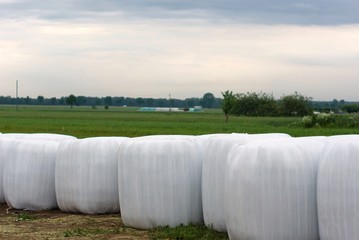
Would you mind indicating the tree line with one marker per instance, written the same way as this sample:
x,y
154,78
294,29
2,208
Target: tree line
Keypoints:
x,y
207,101
248,104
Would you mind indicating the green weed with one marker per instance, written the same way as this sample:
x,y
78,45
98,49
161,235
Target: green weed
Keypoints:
x,y
86,232
25,217
190,232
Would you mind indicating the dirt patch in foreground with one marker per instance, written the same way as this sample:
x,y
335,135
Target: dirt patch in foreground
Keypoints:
x,y
15,224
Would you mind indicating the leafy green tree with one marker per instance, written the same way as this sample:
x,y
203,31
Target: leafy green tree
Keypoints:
x,y
295,104
27,100
334,104
255,104
140,101
98,101
71,100
40,99
208,100
108,101
81,100
118,101
351,108
189,102
228,102
150,102
52,101
62,101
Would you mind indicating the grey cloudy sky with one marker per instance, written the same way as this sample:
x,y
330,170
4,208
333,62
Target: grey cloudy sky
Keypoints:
x,y
150,48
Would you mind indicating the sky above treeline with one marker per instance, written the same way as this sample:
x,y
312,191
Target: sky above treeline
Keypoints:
x,y
153,48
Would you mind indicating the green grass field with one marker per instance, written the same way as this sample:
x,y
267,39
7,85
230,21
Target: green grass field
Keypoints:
x,y
87,122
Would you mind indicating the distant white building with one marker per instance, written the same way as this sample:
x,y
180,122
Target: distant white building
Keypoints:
x,y
167,109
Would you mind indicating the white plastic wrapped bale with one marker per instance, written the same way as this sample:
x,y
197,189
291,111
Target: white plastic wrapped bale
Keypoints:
x,y
86,175
318,138
217,148
7,149
338,190
13,135
39,136
156,137
49,137
29,181
343,137
271,190
160,181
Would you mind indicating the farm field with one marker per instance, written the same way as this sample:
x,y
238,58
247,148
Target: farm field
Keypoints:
x,y
87,122
84,122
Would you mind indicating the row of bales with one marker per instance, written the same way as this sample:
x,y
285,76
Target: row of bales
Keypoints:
x,y
253,186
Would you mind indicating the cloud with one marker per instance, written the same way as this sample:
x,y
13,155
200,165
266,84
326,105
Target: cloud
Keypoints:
x,y
153,58
315,12
153,47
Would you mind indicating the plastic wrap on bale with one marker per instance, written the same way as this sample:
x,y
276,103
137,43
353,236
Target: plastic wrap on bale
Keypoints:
x,y
29,181
271,190
160,181
38,136
7,149
338,189
13,135
87,175
217,147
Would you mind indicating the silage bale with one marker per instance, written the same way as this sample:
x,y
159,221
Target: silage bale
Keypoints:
x,y
271,190
338,189
156,137
343,137
86,175
217,147
160,181
318,138
48,137
13,135
39,136
28,178
7,149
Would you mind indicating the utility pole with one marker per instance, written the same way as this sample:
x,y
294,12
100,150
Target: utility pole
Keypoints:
x,y
17,95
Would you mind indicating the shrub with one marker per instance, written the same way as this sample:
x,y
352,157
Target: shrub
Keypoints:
x,y
255,104
330,120
308,121
353,121
295,104
351,108
325,119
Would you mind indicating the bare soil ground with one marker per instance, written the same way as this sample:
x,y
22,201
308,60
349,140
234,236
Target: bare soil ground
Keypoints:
x,y
15,224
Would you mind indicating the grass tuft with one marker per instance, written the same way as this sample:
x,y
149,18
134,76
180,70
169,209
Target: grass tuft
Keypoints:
x,y
189,232
25,217
77,232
